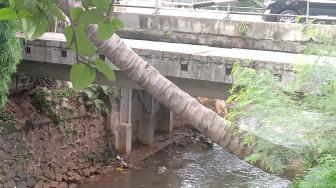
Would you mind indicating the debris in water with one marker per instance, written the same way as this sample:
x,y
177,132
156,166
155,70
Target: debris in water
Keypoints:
x,y
121,162
162,170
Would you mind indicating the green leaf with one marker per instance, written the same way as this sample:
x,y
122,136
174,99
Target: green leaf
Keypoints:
x,y
23,13
19,4
93,16
118,23
75,13
29,5
105,89
102,4
7,13
89,94
107,28
34,26
53,8
41,24
84,45
105,69
68,33
81,76
51,20
28,28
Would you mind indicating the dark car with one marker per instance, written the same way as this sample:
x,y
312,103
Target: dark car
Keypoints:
x,y
289,8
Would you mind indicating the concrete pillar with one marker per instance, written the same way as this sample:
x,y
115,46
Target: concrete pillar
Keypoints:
x,y
112,123
125,105
147,129
124,138
166,120
124,130
149,118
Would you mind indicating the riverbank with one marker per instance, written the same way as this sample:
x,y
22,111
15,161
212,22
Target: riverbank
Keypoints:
x,y
52,136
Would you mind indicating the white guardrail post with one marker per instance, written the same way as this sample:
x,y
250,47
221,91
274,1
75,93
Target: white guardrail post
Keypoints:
x,y
156,7
307,11
228,11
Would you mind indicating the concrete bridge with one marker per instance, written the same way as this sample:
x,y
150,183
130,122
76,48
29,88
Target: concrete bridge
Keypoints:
x,y
198,69
196,54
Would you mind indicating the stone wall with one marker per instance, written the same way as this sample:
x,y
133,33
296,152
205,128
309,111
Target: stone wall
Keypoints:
x,y
49,155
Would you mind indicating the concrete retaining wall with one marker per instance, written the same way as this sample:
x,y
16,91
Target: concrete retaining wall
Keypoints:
x,y
218,32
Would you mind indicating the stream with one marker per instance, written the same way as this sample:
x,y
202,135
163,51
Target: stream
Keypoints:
x,y
190,167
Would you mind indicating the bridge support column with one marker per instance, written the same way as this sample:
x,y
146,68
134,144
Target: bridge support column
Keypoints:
x,y
166,120
150,118
124,130
124,138
147,129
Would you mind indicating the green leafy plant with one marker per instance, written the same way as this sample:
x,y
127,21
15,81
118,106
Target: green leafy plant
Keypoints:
x,y
318,83
7,122
43,100
249,140
98,97
36,16
260,103
290,120
243,29
5,116
167,34
62,90
44,104
321,44
10,52
320,176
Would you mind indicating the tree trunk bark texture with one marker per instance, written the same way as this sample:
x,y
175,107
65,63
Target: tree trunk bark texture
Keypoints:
x,y
139,71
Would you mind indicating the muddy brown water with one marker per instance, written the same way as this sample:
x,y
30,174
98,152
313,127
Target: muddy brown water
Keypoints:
x,y
191,167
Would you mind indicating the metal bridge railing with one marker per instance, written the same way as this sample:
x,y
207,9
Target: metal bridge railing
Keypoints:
x,y
225,4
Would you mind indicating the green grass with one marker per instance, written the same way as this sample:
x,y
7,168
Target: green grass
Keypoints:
x,y
294,120
298,116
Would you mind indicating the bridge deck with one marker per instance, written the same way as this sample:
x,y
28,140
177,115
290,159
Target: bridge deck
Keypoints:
x,y
205,51
199,70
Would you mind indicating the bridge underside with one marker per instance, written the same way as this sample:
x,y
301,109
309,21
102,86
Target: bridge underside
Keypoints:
x,y
61,72
139,115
